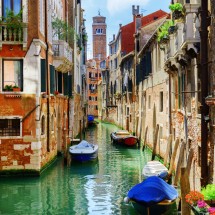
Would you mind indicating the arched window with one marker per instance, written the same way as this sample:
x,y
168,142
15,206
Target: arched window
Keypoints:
x,y
52,123
43,127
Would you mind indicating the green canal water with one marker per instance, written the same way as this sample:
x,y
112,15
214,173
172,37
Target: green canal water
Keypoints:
x,y
79,189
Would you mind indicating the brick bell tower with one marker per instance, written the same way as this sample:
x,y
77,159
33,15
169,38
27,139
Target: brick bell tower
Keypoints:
x,y
99,37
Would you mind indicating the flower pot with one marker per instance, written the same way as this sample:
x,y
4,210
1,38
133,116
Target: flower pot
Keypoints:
x,y
211,203
177,15
16,89
172,29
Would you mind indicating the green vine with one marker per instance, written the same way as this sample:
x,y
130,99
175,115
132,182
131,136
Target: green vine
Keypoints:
x,y
176,7
63,30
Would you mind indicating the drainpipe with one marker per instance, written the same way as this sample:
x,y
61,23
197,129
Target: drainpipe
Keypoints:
x,y
47,72
170,106
204,91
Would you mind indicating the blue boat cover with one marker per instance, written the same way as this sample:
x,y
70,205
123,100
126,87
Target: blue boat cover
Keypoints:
x,y
151,191
90,118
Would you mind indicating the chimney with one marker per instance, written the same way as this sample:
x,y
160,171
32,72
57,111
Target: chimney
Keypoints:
x,y
135,11
137,22
113,36
120,25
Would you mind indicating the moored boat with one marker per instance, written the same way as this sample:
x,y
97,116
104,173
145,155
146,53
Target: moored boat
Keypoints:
x,y
154,168
123,137
153,196
90,119
84,151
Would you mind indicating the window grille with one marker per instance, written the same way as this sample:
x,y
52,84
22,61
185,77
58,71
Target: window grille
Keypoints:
x,y
9,127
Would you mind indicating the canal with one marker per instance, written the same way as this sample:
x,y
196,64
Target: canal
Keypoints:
x,y
89,188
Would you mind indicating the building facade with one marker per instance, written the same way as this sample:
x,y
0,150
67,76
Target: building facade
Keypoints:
x,y
35,122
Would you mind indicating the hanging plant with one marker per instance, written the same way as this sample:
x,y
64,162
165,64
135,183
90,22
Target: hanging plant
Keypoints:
x,y
176,7
163,32
177,10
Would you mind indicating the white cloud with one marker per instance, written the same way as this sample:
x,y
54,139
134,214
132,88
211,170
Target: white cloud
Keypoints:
x,y
118,6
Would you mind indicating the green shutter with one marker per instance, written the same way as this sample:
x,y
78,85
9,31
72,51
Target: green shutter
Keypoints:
x,y
43,74
60,82
52,79
70,85
65,83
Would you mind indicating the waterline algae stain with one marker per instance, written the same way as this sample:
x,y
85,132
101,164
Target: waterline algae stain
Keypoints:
x,y
93,188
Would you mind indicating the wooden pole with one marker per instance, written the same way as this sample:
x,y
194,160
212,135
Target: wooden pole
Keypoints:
x,y
172,161
155,143
190,160
185,189
168,149
180,160
144,143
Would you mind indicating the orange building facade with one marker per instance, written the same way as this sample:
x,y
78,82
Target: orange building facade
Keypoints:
x,y
34,122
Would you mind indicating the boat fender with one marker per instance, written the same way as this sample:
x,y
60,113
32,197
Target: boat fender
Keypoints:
x,y
126,199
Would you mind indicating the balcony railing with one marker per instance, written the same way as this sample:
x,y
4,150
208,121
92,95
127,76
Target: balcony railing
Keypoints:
x,y
62,49
12,35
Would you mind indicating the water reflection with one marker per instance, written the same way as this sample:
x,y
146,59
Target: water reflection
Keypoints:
x,y
92,188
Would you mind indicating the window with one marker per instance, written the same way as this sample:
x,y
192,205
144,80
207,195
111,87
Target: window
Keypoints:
x,y
9,127
115,62
149,103
161,101
13,73
99,31
14,5
52,122
43,125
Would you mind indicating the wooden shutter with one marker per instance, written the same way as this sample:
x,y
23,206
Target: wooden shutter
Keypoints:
x,y
65,83
52,79
60,82
43,74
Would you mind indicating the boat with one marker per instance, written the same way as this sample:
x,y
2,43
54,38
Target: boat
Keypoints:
x,y
153,196
123,137
154,168
84,151
90,119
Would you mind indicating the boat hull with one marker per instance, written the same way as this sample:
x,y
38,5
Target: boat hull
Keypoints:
x,y
127,140
84,157
84,151
158,209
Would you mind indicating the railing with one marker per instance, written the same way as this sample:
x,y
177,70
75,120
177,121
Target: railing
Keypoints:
x,y
62,49
13,35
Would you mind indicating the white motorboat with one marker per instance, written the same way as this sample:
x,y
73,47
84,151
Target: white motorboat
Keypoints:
x,y
154,168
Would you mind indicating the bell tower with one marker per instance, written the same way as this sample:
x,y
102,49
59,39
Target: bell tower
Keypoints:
x,y
99,37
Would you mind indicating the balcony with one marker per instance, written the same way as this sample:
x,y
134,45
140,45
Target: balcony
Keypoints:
x,y
62,55
13,35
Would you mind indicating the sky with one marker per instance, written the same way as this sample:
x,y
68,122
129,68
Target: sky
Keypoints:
x,y
117,12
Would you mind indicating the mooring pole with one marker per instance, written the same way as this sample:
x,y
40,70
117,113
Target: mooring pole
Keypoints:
x,y
204,91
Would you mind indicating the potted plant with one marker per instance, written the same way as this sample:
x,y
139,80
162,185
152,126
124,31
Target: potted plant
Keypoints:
x,y
13,25
209,194
8,88
196,201
172,28
63,30
163,35
56,92
16,88
177,10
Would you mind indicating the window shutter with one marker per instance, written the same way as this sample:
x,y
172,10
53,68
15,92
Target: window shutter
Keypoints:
x,y
43,75
52,79
70,85
65,83
60,82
